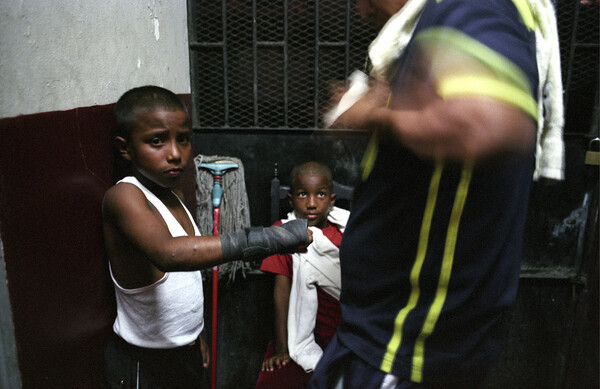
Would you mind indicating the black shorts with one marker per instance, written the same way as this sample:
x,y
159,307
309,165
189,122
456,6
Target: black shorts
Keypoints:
x,y
132,367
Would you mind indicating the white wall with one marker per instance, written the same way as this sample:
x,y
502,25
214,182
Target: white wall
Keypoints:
x,y
63,54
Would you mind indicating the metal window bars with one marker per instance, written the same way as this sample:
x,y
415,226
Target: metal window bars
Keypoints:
x,y
267,64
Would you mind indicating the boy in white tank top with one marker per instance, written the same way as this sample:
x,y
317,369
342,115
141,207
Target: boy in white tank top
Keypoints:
x,y
155,250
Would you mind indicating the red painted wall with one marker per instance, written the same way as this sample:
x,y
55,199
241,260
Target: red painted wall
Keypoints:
x,y
54,170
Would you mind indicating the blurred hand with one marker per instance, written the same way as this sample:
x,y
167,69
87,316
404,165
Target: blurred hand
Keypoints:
x,y
357,115
337,89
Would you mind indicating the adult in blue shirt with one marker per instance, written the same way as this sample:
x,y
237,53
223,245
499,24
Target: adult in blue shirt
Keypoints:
x,y
431,255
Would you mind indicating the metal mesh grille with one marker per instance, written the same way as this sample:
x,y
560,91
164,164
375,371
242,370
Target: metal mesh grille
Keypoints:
x,y
579,44
267,64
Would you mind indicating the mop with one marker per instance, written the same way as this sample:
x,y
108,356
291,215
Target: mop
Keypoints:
x,y
220,184
234,208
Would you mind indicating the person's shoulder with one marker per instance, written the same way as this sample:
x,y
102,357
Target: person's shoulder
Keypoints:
x,y
454,3
121,189
333,232
120,196
338,217
333,227
473,10
278,264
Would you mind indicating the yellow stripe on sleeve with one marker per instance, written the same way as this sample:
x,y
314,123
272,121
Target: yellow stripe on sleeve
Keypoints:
x,y
490,87
463,65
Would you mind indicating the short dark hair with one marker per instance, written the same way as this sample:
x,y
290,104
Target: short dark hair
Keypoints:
x,y
142,100
311,168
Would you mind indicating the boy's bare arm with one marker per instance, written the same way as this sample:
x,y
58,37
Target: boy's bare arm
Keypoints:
x,y
127,212
205,351
281,297
129,216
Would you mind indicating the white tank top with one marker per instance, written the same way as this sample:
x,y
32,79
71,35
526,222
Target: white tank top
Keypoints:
x,y
168,313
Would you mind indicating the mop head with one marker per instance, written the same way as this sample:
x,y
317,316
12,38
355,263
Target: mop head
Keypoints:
x,y
235,209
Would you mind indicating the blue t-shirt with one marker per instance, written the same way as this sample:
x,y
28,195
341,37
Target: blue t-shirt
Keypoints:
x,y
431,254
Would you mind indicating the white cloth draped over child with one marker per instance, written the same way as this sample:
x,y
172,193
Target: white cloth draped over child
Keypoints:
x,y
319,266
397,32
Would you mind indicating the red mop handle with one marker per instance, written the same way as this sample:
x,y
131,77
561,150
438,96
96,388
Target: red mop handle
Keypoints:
x,y
216,220
215,294
216,169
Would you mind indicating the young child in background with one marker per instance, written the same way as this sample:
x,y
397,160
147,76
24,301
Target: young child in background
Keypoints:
x,y
307,285
155,251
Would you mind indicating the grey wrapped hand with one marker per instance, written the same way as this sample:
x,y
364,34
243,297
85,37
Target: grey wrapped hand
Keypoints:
x,y
259,242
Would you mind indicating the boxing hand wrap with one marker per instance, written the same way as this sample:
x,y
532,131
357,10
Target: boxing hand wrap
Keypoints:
x,y
259,242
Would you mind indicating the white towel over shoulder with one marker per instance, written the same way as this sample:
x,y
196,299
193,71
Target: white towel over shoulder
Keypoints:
x,y
550,153
319,266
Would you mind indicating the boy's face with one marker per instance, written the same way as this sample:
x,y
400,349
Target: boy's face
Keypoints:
x,y
311,199
159,147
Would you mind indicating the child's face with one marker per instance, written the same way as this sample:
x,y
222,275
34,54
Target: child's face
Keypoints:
x,y
159,147
311,199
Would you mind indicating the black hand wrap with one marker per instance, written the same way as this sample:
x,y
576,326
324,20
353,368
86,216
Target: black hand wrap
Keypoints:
x,y
259,242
